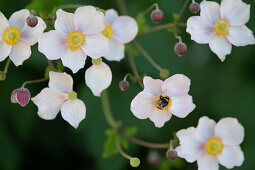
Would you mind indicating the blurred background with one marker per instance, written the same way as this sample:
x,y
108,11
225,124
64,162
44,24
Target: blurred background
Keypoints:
x,y
219,90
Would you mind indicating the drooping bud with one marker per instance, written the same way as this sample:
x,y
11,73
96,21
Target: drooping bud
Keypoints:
x,y
157,15
164,73
171,154
180,48
134,162
194,7
21,96
124,85
32,21
2,76
153,158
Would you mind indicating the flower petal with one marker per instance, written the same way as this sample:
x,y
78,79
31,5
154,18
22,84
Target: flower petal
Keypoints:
x,y
117,51
142,105
20,52
231,156
49,103
3,24
5,50
160,117
210,12
52,45
240,35
73,111
110,16
61,82
64,23
206,127
220,46
152,86
89,20
124,29
236,12
230,131
181,106
98,78
207,162
18,19
200,31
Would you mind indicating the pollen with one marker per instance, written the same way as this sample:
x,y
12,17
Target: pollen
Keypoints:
x,y
75,40
214,146
163,102
107,32
222,27
11,35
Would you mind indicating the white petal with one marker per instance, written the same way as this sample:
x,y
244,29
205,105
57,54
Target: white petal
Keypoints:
x,y
240,35
61,82
176,85
230,131
206,127
207,162
110,16
142,105
52,45
20,52
152,86
210,12
231,156
3,24
236,12
64,22
117,51
75,60
160,117
96,46
32,34
98,78
73,112
220,46
5,50
124,29
89,20
18,19
49,103
200,31
190,144
181,106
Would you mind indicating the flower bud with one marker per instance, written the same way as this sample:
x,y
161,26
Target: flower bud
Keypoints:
x,y
2,76
157,15
194,7
180,48
153,158
21,96
164,73
134,162
124,85
32,21
171,154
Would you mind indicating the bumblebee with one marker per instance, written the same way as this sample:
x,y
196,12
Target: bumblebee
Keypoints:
x,y
162,102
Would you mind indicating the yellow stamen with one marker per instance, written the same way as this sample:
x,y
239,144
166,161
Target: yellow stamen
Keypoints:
x,y
163,102
72,95
214,146
107,32
75,40
222,27
11,35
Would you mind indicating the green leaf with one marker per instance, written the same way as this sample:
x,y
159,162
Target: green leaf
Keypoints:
x,y
175,17
142,25
110,148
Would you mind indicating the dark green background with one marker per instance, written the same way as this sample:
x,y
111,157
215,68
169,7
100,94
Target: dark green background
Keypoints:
x,y
218,89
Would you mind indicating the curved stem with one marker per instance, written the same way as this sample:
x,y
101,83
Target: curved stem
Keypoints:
x,y
69,6
125,155
7,65
150,8
34,81
107,110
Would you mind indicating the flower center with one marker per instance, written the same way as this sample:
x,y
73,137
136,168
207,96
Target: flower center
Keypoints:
x,y
214,146
222,27
163,102
107,32
11,35
72,95
75,40
97,61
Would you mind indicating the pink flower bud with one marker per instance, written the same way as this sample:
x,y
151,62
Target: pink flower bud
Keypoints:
x,y
194,8
124,85
157,16
32,21
180,48
171,154
153,158
21,96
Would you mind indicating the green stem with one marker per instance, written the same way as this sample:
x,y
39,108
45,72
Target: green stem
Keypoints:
x,y
51,65
7,65
107,110
125,155
69,6
150,8
122,7
34,81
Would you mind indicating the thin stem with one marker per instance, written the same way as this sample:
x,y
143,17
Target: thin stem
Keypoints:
x,y
51,65
122,7
125,155
126,76
7,65
69,6
107,110
149,9
34,81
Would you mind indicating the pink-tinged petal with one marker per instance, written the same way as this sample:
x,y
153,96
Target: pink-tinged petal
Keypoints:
x,y
89,20
73,111
31,34
190,144
49,103
236,12
240,36
117,51
200,31
220,46
5,50
75,60
231,156
98,78
13,95
3,24
160,117
20,52
176,85
143,105
110,16
181,106
206,127
207,162
18,19
52,45
96,46
124,29
61,82
152,86
64,23
210,12
230,131
23,97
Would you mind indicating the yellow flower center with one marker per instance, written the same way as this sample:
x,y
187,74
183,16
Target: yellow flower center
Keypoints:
x,y
11,35
107,32
75,40
163,102
72,95
214,146
222,27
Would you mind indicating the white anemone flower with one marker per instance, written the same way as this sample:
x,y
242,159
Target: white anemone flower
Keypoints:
x,y
119,30
76,36
16,36
221,26
160,99
210,143
60,96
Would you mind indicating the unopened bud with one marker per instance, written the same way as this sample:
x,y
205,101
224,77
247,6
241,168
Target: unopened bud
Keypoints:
x,y
124,85
32,21
153,158
194,7
2,76
134,162
171,154
164,73
180,48
21,96
157,15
